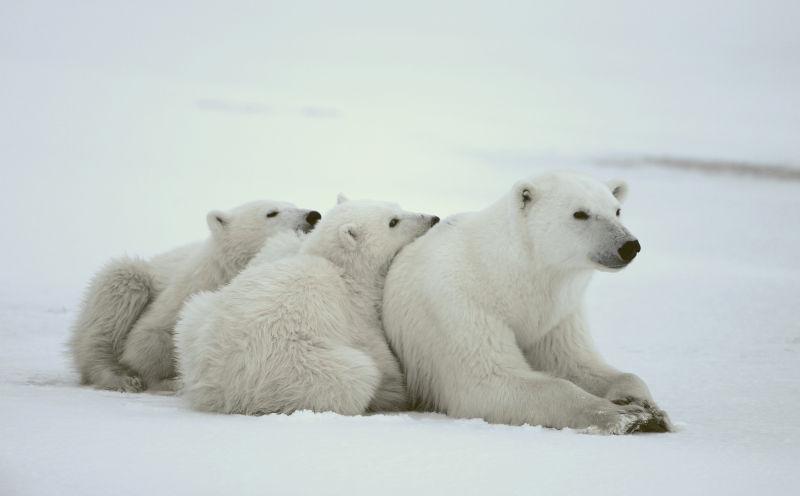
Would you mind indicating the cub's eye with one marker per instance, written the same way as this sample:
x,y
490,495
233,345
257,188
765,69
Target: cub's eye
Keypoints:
x,y
617,212
394,222
581,215
272,214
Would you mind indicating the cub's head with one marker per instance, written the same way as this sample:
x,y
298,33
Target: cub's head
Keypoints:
x,y
573,221
242,231
366,233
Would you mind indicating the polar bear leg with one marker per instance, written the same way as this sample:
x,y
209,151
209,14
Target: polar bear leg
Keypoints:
x,y
149,349
320,378
498,384
114,301
337,379
568,352
391,395
525,397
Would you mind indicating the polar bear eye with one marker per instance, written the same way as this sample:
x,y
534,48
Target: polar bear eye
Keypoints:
x,y
581,215
273,213
617,212
394,222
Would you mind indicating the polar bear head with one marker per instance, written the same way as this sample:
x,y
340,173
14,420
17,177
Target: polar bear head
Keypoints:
x,y
573,221
240,232
365,235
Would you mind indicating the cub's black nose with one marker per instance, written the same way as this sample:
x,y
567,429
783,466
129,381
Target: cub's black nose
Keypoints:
x,y
628,251
312,217
434,221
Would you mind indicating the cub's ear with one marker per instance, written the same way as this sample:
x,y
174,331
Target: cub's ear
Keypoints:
x,y
525,194
340,198
349,235
217,221
619,189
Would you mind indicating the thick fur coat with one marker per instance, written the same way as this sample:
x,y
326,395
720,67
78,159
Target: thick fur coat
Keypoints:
x,y
302,332
486,311
123,336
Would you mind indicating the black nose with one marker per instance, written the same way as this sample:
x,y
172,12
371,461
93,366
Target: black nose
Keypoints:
x,y
434,221
312,217
628,251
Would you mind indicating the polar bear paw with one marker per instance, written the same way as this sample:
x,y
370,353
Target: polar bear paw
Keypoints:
x,y
619,419
660,420
131,384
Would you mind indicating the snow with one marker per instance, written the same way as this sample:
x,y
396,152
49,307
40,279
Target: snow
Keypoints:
x,y
707,315
121,128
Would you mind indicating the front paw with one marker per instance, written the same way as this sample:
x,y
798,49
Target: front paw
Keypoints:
x,y
126,384
608,418
659,422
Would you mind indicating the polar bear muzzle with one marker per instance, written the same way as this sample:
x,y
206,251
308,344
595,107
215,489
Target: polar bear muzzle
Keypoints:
x,y
628,250
313,216
311,220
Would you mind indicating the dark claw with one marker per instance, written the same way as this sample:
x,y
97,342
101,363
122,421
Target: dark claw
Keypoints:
x,y
656,423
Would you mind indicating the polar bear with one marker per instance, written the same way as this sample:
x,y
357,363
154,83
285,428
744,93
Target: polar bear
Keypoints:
x,y
122,338
485,312
302,333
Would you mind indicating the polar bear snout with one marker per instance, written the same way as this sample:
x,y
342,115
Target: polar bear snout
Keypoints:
x,y
312,217
627,252
425,222
309,220
616,257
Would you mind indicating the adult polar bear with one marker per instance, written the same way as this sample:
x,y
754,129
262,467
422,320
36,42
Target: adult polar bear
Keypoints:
x,y
485,312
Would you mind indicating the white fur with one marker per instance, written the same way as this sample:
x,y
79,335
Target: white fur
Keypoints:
x,y
302,332
122,338
485,312
282,244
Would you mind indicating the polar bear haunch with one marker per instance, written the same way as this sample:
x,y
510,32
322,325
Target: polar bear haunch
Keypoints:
x,y
509,344
302,332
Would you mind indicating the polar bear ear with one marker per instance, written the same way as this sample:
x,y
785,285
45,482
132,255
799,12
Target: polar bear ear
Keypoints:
x,y
348,235
524,194
217,221
340,198
619,189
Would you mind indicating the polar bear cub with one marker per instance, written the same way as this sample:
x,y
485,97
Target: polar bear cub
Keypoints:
x,y
303,332
486,312
122,339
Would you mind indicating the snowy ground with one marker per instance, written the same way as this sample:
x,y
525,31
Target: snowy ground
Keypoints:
x,y
122,125
707,315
